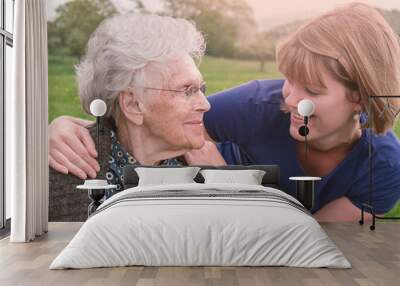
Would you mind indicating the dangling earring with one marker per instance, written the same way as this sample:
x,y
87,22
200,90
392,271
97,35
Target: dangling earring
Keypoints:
x,y
357,116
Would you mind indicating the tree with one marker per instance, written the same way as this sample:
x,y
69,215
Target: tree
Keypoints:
x,y
224,22
220,34
260,47
75,22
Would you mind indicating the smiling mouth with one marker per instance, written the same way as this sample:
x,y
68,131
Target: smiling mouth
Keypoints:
x,y
299,119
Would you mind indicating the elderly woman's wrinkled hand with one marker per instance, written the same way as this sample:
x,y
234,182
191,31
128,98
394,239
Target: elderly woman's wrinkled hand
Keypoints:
x,y
207,155
71,148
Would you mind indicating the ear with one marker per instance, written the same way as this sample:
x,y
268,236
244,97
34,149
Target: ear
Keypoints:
x,y
131,107
358,107
355,100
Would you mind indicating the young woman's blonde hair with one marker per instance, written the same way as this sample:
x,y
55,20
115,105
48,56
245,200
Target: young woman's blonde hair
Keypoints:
x,y
358,48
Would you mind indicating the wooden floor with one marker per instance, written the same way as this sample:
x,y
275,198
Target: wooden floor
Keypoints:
x,y
375,257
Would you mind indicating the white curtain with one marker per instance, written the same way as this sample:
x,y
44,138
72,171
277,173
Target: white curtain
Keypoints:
x,y
26,124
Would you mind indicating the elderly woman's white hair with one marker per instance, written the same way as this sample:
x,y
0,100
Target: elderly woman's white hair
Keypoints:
x,y
122,47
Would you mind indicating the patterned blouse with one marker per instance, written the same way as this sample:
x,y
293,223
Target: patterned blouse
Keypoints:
x,y
119,158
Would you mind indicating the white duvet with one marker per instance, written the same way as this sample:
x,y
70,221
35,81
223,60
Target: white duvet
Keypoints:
x,y
184,230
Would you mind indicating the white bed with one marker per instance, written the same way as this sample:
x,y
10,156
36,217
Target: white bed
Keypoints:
x,y
201,224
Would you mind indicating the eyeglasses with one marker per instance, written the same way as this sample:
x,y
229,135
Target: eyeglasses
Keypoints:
x,y
189,92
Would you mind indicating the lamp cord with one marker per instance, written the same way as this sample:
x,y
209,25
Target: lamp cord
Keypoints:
x,y
305,137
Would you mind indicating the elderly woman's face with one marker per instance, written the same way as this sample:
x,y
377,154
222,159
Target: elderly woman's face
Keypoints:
x,y
174,117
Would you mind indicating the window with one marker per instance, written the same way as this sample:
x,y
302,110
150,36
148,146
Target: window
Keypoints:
x,y
6,61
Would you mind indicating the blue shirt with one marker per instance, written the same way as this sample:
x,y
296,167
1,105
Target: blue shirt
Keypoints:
x,y
251,129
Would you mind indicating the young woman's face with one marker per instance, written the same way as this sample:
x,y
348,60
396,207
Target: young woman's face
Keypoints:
x,y
333,120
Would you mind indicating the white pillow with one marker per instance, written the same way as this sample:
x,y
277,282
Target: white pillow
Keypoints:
x,y
248,177
161,176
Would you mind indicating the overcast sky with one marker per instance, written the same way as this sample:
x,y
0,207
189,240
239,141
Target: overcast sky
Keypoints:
x,y
268,13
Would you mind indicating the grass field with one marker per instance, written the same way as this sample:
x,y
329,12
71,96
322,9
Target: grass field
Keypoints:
x,y
218,73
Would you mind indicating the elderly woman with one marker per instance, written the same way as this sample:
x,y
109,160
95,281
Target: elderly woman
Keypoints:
x,y
143,67
337,60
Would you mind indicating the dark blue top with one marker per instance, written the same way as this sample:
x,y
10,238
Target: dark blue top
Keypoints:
x,y
252,129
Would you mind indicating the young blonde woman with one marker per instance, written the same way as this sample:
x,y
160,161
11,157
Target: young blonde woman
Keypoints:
x,y
336,60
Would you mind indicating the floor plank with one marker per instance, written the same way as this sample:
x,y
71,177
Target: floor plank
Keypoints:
x,y
374,255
